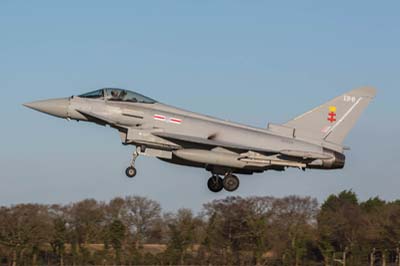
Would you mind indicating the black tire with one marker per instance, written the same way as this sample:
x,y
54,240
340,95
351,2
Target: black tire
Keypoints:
x,y
130,172
215,184
231,183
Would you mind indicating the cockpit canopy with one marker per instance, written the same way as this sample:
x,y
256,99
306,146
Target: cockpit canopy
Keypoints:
x,y
118,95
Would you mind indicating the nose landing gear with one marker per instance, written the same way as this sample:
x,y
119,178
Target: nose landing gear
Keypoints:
x,y
131,170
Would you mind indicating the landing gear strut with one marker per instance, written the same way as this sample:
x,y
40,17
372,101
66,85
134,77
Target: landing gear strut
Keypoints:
x,y
230,183
131,170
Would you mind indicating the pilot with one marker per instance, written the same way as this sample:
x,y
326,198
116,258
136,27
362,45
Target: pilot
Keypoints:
x,y
122,94
114,95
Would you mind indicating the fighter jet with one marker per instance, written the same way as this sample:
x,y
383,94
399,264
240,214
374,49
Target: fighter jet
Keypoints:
x,y
313,140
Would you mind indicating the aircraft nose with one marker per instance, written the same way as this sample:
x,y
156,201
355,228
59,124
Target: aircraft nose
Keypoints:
x,y
55,107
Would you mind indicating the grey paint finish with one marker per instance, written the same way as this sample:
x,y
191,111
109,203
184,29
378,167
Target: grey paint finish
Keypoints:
x,y
55,107
312,140
349,106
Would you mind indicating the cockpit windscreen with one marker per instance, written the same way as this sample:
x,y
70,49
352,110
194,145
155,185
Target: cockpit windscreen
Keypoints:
x,y
126,96
118,95
93,94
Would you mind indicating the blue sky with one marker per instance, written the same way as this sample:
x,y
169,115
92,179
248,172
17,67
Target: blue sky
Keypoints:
x,y
249,61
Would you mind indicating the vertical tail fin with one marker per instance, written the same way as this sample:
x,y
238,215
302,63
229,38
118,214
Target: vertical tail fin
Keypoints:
x,y
333,120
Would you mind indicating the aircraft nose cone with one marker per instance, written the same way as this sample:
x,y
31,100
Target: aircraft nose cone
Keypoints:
x,y
55,107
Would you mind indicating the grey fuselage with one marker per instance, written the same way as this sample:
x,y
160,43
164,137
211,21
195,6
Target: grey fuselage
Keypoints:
x,y
166,128
312,140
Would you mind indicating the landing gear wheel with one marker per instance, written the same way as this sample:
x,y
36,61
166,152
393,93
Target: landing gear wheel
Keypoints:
x,y
231,183
215,184
131,172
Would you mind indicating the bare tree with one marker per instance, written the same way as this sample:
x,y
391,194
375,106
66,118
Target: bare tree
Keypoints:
x,y
23,229
141,216
184,230
292,223
60,231
86,222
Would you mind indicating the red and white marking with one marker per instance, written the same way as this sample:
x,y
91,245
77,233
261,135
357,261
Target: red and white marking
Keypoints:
x,y
163,118
160,117
175,121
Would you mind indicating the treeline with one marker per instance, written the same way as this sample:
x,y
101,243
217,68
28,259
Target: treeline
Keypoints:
x,y
232,231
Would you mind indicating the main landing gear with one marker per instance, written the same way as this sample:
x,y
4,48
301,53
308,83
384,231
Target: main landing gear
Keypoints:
x,y
215,183
230,183
131,170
